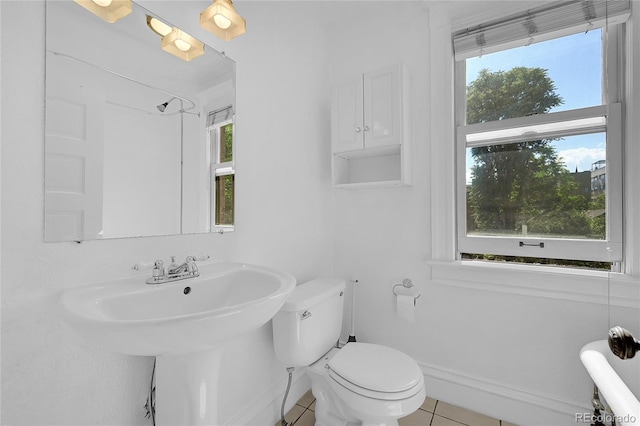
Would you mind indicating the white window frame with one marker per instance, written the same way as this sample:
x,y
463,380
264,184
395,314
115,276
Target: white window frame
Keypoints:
x,y
217,168
607,117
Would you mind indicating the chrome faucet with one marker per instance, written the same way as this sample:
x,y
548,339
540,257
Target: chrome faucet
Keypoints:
x,y
188,267
161,275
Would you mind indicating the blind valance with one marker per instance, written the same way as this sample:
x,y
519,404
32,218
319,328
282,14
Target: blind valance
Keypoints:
x,y
219,115
542,23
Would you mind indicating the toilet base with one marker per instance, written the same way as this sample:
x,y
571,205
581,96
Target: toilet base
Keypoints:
x,y
332,410
324,417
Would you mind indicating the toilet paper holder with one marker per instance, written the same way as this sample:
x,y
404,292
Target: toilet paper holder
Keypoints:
x,y
406,283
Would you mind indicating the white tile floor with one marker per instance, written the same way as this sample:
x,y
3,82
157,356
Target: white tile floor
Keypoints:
x,y
432,413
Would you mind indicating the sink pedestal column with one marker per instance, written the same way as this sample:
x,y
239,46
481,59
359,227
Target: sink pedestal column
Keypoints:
x,y
187,389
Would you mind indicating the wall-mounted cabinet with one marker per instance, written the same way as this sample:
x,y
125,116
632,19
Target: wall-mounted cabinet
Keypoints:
x,y
369,120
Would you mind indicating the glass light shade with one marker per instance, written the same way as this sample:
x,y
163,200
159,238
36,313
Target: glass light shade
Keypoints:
x,y
111,12
182,45
158,27
222,20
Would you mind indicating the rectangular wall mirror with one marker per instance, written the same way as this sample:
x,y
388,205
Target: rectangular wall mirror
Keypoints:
x,y
138,142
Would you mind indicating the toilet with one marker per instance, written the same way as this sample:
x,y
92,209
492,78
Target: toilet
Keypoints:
x,y
359,384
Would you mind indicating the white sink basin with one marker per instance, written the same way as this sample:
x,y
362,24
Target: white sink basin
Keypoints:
x,y
618,380
130,317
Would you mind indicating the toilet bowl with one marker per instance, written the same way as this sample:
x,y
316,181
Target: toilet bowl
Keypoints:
x,y
359,384
376,392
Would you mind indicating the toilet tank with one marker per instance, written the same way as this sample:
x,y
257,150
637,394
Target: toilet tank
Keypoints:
x,y
310,321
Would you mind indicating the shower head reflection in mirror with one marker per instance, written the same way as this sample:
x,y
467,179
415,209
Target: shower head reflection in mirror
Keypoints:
x,y
163,106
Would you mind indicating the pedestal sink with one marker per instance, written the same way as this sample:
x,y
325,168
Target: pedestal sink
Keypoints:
x,y
182,323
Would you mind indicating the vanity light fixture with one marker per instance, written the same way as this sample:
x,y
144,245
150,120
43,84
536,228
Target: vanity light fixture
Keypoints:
x,y
157,26
182,45
222,20
176,41
109,10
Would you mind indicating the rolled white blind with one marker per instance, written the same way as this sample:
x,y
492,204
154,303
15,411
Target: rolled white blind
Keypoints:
x,y
219,115
543,23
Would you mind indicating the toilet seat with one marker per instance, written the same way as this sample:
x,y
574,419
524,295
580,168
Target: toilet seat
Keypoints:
x,y
376,371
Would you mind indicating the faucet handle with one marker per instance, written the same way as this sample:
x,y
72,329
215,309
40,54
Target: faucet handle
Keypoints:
x,y
199,257
192,268
158,269
144,265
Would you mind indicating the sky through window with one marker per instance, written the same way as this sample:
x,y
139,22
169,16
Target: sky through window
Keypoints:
x,y
574,63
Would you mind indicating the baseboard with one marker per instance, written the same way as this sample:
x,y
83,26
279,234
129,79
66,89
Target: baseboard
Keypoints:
x,y
518,406
499,401
265,410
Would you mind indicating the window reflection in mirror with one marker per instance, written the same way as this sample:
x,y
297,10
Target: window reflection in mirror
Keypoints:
x,y
221,142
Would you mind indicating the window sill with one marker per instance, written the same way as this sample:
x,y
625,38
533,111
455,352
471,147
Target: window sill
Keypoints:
x,y
578,285
223,229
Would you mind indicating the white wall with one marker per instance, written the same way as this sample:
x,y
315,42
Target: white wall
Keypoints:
x,y
382,235
503,342
499,342
49,376
141,163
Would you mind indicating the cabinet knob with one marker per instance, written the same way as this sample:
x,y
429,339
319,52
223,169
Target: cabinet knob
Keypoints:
x,y
366,128
358,129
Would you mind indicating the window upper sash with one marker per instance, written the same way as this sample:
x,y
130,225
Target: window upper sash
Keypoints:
x,y
539,24
540,126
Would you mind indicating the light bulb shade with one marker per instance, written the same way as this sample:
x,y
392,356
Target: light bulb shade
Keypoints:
x,y
158,27
182,45
222,14
221,21
113,11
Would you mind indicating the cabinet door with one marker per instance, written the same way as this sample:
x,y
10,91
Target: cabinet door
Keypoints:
x,y
383,108
347,126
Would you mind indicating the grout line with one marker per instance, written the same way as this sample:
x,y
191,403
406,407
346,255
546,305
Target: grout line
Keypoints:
x,y
301,415
433,414
454,420
435,407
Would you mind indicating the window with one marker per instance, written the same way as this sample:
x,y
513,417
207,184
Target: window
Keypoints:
x,y
222,168
538,132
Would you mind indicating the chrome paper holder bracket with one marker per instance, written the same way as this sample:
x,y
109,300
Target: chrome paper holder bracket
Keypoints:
x,y
406,284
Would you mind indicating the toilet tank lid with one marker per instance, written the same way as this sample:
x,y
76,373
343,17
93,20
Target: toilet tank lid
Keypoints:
x,y
312,292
